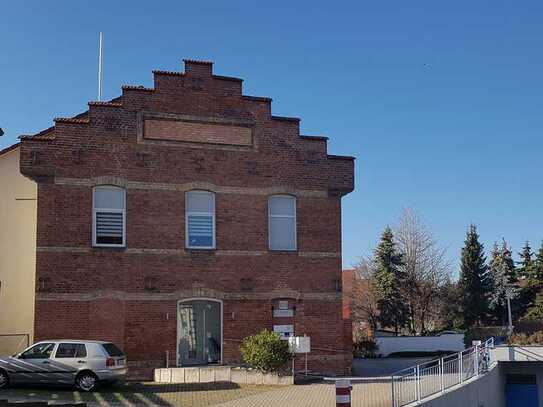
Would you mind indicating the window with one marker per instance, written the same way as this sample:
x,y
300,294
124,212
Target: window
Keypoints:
x,y
200,220
108,213
112,349
39,351
71,350
282,222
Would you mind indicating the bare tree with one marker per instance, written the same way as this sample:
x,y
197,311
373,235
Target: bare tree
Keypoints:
x,y
426,270
364,301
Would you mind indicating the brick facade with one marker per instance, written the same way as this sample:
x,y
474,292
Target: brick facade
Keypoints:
x,y
130,295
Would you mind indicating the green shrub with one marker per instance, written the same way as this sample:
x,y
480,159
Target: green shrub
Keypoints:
x,y
365,347
265,351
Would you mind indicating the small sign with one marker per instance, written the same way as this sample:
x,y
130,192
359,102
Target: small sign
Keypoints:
x,y
300,344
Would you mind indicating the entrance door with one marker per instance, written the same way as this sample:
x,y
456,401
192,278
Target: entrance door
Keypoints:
x,y
521,391
199,332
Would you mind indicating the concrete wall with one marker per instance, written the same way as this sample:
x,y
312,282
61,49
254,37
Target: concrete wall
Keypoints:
x,y
486,391
392,344
17,252
517,354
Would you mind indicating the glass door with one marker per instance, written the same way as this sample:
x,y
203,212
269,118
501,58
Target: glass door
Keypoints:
x,y
199,328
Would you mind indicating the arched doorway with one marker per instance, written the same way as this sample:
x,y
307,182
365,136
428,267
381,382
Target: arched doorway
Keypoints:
x,y
199,331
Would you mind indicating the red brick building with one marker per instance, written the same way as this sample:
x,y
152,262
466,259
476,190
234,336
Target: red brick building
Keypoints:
x,y
176,220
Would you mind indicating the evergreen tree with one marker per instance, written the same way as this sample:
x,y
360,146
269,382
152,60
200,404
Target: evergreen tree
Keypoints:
x,y
528,272
536,310
502,276
450,309
387,280
527,265
538,265
471,285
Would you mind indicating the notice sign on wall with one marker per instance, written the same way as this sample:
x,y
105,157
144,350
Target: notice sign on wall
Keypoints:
x,y
284,331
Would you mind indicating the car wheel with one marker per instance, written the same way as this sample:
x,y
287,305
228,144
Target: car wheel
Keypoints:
x,y
4,379
86,381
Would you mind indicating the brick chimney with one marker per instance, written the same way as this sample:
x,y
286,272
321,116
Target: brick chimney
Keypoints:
x,y
198,69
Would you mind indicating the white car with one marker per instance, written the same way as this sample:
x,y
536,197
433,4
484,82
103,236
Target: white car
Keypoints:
x,y
66,361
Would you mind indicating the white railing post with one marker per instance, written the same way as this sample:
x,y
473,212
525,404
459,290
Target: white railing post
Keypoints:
x,y
460,367
441,372
417,371
476,360
393,395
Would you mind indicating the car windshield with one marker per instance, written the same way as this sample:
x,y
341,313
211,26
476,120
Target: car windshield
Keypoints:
x,y
112,349
39,351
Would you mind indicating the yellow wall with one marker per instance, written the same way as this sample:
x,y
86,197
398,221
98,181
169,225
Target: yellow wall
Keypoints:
x,y
17,253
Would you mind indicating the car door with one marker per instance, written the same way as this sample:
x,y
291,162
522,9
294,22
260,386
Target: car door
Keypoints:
x,y
68,360
34,364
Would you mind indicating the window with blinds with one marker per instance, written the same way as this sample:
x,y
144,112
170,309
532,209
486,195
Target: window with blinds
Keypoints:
x,y
109,212
282,222
200,220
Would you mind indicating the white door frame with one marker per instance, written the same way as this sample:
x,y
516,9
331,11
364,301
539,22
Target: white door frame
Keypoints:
x,y
179,302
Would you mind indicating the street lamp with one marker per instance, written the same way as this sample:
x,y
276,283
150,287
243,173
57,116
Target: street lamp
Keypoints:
x,y
509,294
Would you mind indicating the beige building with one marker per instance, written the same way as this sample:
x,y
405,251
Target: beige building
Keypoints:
x,y
17,253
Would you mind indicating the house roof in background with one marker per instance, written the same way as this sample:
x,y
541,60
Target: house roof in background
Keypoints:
x,y
10,148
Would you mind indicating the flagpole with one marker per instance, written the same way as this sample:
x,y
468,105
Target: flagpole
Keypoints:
x,y
100,61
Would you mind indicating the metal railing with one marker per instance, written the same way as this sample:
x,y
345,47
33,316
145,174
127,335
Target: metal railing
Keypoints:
x,y
435,376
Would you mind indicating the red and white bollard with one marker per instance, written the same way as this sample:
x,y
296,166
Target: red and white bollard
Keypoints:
x,y
343,393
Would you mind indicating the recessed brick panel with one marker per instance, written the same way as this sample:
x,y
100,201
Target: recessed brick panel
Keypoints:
x,y
176,130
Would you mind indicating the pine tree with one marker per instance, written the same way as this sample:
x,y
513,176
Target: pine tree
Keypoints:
x,y
387,281
509,264
527,265
527,272
472,287
538,265
502,279
536,310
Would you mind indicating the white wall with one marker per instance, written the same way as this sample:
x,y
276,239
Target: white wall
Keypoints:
x,y
392,344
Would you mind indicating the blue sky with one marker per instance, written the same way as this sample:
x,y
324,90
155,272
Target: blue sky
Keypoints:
x,y
441,102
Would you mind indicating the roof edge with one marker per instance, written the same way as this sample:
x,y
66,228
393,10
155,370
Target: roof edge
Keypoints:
x,y
257,98
286,119
227,78
321,138
341,157
10,148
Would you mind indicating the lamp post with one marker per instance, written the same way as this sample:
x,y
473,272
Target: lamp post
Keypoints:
x,y
509,295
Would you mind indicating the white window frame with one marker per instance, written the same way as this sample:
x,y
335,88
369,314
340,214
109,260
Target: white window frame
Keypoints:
x,y
187,213
292,197
94,210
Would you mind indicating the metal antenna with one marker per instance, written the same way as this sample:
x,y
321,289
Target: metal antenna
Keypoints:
x,y
100,62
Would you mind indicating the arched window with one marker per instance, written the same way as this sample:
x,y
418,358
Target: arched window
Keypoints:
x,y
200,220
109,216
282,222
